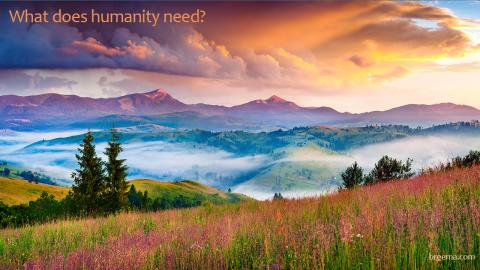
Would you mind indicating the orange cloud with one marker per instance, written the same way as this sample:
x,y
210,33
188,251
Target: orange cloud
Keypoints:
x,y
378,37
93,46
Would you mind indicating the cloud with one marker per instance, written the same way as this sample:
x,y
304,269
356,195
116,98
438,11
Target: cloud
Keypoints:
x,y
407,39
360,61
424,150
93,46
377,36
28,82
301,46
394,73
185,53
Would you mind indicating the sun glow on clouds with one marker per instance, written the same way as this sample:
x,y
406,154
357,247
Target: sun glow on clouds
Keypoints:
x,y
288,49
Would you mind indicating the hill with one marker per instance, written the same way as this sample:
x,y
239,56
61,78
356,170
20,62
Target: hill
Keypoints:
x,y
17,172
180,120
405,224
16,191
298,158
187,189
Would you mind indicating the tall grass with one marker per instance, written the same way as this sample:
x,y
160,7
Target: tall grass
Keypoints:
x,y
394,225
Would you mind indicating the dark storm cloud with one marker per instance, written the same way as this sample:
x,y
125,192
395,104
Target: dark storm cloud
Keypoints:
x,y
169,49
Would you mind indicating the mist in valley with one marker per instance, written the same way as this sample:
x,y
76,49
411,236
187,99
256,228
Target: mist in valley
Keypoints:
x,y
154,160
177,161
424,150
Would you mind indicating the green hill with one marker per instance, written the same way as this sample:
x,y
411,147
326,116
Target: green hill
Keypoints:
x,y
17,172
16,191
188,189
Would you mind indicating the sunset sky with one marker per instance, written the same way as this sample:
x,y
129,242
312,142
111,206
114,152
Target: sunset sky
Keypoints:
x,y
353,56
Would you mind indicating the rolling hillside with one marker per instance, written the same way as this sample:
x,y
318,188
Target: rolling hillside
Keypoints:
x,y
16,191
393,225
188,189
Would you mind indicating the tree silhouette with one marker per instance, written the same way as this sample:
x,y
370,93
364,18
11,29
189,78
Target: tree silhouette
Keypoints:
x,y
89,183
116,174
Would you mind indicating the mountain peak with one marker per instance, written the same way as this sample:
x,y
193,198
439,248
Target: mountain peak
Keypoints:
x,y
275,99
162,93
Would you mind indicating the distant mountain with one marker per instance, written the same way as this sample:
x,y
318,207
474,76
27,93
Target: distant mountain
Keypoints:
x,y
422,114
66,106
61,111
274,104
184,120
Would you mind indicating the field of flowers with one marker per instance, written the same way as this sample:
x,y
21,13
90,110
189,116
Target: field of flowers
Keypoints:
x,y
395,225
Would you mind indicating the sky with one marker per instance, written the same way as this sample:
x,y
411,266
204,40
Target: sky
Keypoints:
x,y
353,56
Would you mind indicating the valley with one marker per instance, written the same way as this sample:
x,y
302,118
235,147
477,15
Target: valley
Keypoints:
x,y
297,162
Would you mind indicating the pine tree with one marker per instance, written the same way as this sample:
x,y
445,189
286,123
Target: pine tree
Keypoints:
x,y
89,178
134,198
116,183
353,176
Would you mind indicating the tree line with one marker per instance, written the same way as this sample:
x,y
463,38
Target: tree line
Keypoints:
x,y
31,177
388,169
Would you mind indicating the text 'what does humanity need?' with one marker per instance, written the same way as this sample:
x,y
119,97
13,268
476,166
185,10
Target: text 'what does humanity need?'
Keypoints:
x,y
142,17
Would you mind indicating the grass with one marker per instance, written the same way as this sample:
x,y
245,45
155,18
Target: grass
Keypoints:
x,y
188,189
394,225
16,191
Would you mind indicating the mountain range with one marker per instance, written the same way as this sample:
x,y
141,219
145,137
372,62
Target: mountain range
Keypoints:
x,y
160,108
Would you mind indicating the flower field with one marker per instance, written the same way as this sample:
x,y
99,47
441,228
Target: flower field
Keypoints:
x,y
393,225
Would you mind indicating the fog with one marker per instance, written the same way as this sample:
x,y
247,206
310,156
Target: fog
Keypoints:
x,y
263,194
424,150
11,141
157,160
218,168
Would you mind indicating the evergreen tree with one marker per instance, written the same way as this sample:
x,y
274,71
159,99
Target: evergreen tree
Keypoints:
x,y
116,170
352,176
388,168
89,183
134,198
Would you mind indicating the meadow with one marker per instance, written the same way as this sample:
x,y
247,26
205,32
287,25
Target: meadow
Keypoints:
x,y
391,225
18,191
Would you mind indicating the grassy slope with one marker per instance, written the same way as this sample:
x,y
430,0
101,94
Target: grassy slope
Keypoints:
x,y
16,191
308,167
188,189
393,225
